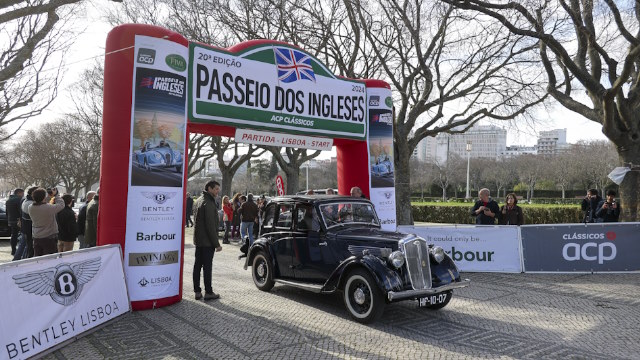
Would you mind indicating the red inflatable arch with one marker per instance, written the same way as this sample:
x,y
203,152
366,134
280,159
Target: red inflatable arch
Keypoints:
x,y
353,157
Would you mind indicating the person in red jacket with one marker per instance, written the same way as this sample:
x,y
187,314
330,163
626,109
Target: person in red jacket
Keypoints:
x,y
227,207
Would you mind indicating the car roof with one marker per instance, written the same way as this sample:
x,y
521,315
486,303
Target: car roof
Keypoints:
x,y
315,198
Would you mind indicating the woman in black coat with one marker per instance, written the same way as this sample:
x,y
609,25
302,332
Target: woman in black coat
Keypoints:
x,y
511,213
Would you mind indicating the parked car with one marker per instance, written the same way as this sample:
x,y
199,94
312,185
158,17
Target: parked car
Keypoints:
x,y
5,230
161,156
316,192
334,243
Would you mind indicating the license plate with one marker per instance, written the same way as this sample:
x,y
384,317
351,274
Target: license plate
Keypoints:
x,y
432,300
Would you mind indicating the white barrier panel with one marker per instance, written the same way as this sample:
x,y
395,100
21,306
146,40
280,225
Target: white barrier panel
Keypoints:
x,y
475,248
50,299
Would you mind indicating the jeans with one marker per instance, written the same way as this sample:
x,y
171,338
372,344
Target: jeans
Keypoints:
x,y
227,228
245,227
204,261
21,251
15,231
188,221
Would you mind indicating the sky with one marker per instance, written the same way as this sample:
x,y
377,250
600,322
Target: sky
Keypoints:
x,y
89,45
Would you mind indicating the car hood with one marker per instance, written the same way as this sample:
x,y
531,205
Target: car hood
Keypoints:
x,y
375,235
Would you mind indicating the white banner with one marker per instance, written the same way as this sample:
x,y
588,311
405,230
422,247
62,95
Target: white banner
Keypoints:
x,y
475,248
380,145
271,86
287,140
156,193
51,299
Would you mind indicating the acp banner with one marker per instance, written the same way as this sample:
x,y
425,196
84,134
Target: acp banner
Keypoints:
x,y
587,248
475,248
153,237
380,143
274,87
51,299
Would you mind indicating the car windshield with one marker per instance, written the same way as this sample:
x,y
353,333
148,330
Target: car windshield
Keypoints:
x,y
346,212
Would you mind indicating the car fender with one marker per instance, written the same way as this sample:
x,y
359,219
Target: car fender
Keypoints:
x,y
445,272
386,278
258,245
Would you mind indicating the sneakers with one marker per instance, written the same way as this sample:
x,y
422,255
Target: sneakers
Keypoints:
x,y
198,295
212,296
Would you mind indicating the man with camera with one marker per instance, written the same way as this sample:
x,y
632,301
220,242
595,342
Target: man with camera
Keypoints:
x,y
608,210
43,218
589,205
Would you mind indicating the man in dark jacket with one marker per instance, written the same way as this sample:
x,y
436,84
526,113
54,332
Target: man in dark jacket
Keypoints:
x,y
67,231
608,210
189,210
249,214
26,226
205,238
91,223
13,217
82,218
485,210
590,205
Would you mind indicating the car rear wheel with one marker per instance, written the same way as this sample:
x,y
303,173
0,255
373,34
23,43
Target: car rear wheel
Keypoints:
x,y
363,297
262,272
449,295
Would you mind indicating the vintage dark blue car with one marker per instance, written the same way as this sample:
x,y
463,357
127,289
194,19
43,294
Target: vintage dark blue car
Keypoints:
x,y
157,157
334,243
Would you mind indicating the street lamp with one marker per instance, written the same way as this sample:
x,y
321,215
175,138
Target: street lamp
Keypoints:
x,y
468,149
307,175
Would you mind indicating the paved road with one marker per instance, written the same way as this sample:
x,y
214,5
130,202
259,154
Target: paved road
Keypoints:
x,y
500,316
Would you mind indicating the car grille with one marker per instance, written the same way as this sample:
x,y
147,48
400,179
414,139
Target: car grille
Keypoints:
x,y
168,159
416,252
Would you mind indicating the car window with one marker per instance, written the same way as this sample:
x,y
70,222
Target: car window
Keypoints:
x,y
306,218
347,212
269,216
285,219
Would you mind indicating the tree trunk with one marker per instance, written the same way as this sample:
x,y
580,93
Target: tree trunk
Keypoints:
x,y
225,187
630,186
403,192
444,193
293,178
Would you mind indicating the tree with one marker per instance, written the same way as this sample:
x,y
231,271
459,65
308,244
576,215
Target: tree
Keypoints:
x,y
529,170
291,164
32,36
436,58
586,46
221,145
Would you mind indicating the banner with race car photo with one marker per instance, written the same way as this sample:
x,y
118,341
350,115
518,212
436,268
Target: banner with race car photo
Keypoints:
x,y
380,144
274,87
475,248
581,247
52,299
155,201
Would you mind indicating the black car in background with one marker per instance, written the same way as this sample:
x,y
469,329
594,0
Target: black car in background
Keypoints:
x,y
334,243
5,231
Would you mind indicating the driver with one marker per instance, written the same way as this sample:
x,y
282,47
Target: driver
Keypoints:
x,y
330,217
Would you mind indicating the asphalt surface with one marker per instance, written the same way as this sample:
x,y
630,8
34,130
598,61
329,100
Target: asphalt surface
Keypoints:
x,y
505,316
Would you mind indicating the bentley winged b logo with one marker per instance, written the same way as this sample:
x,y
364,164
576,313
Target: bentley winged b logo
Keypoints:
x,y
158,197
63,283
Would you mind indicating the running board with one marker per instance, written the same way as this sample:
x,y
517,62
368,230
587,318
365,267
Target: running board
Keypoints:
x,y
305,286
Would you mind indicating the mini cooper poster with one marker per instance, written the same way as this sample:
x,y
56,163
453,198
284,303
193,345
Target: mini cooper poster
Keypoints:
x,y
155,200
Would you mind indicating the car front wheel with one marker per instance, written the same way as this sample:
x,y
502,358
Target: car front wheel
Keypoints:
x,y
362,297
262,272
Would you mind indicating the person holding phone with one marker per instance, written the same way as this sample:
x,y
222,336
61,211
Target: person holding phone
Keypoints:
x,y
44,227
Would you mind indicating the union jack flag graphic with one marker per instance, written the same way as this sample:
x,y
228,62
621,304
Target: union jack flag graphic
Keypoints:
x,y
147,82
293,65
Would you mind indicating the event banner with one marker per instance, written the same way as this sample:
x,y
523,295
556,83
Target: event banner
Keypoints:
x,y
261,137
581,247
380,143
155,198
475,248
51,299
277,87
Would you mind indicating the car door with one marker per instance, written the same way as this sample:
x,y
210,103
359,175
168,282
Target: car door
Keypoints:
x,y
282,239
311,247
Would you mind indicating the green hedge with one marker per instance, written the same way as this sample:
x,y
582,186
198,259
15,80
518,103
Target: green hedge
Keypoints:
x,y
460,214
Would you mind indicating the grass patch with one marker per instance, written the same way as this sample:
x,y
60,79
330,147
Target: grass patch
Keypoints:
x,y
523,205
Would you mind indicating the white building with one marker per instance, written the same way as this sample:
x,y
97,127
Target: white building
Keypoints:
x,y
487,141
517,150
553,141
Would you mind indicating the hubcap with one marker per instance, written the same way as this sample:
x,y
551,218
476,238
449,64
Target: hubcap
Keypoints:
x,y
359,296
261,270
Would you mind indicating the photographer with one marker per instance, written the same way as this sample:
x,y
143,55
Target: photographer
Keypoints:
x,y
589,205
608,210
44,224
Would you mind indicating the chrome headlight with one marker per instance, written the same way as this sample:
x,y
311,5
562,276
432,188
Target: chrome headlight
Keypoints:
x,y
396,259
438,253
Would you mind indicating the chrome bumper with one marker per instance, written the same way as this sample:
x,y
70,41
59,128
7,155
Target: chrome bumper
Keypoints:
x,y
401,295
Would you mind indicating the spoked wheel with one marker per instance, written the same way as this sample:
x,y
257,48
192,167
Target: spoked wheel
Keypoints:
x,y
262,272
362,297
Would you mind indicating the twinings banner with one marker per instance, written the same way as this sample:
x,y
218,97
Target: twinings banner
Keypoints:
x,y
51,299
155,198
381,164
275,87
